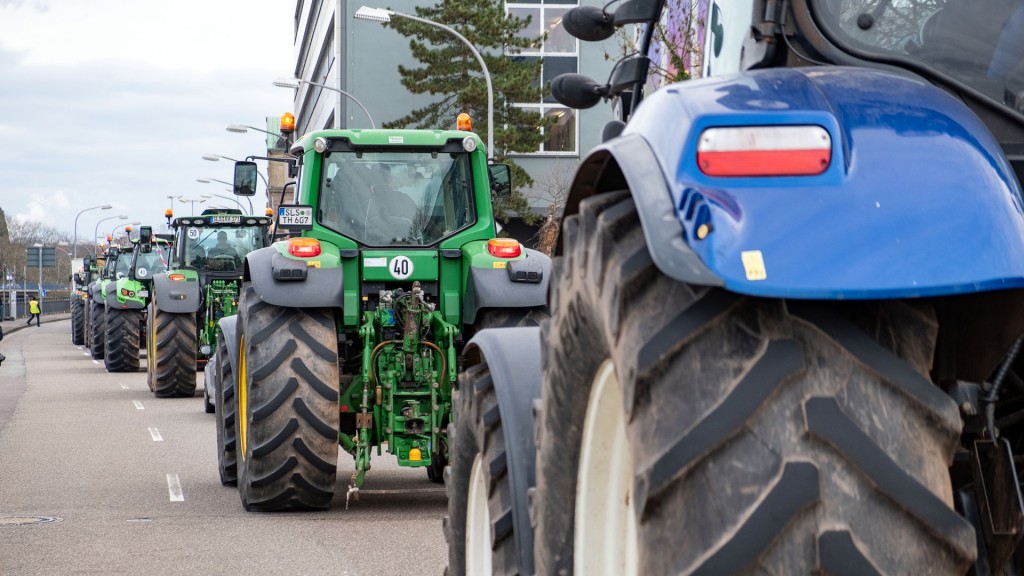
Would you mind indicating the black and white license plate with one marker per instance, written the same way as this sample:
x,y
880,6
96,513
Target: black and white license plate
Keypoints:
x,y
295,216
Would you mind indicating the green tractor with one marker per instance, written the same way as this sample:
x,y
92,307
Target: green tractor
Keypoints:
x,y
199,287
127,302
115,265
350,332
87,274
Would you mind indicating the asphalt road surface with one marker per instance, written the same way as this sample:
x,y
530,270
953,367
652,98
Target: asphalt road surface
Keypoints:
x,y
97,476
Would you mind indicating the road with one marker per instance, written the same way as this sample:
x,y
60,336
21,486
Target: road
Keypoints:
x,y
90,469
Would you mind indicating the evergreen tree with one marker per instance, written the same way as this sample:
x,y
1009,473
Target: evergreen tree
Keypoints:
x,y
450,70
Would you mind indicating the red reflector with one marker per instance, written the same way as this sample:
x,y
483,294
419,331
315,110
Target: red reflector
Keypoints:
x,y
344,408
764,151
304,247
176,277
504,248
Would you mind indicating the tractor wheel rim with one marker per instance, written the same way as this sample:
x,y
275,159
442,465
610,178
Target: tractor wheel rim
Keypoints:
x,y
478,522
241,394
605,540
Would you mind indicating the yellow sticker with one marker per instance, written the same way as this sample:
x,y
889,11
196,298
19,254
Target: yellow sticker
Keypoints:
x,y
312,263
500,264
753,263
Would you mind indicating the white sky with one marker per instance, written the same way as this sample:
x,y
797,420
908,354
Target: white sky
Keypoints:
x,y
115,102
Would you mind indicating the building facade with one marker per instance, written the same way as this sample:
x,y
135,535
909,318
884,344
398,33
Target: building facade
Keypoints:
x,y
362,58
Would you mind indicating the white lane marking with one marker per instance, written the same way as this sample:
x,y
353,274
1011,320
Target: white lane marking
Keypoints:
x,y
86,353
138,405
155,434
124,386
95,361
174,488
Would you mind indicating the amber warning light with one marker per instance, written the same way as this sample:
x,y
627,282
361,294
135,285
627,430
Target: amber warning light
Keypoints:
x,y
464,123
287,123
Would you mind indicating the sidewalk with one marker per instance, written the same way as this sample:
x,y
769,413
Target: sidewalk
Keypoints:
x,y
12,326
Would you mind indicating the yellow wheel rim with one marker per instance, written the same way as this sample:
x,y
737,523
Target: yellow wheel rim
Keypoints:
x,y
241,392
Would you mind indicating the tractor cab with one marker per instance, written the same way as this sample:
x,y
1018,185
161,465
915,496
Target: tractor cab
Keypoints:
x,y
215,243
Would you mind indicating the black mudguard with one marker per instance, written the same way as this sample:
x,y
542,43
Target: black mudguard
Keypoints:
x,y
628,161
514,358
321,287
494,288
174,296
95,293
229,332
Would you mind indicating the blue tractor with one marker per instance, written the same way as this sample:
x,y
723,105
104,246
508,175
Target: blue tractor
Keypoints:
x,y
787,310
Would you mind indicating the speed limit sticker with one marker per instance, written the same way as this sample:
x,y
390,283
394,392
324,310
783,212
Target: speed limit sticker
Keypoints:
x,y
193,233
400,267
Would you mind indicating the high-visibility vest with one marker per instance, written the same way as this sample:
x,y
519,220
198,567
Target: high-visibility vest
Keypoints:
x,y
33,306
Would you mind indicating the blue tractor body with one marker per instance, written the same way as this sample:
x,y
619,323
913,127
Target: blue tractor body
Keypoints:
x,y
918,199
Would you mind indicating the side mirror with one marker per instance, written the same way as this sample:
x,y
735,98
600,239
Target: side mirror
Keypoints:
x,y
245,179
77,277
501,180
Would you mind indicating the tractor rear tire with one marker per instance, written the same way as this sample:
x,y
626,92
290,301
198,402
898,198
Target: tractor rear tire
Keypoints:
x,y
287,397
171,353
478,435
224,393
479,490
97,329
78,322
122,340
757,435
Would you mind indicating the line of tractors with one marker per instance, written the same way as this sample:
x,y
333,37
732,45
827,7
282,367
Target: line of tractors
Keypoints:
x,y
780,333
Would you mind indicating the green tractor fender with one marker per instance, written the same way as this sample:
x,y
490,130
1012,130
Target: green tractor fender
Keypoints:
x,y
124,295
176,296
519,283
295,282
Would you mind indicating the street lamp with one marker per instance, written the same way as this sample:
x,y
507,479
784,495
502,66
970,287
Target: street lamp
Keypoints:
x,y
384,16
114,229
244,128
218,157
40,287
232,187
240,207
96,232
74,247
294,83
192,201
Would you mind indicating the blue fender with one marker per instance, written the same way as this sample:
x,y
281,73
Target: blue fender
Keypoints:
x,y
918,200
319,288
514,359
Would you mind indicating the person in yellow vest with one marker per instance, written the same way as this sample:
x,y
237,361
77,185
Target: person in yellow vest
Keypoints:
x,y
33,309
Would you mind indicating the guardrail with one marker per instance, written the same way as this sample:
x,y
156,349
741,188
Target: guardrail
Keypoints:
x,y
17,307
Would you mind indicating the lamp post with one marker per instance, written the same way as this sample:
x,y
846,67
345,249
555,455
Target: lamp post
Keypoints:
x,y
192,201
240,207
74,247
39,287
384,16
114,229
96,232
294,83
218,157
232,186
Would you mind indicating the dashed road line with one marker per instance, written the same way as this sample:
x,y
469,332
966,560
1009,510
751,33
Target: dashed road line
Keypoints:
x,y
138,405
174,488
155,434
124,386
95,361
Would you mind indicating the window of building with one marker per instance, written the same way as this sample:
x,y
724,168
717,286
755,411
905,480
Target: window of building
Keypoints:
x,y
560,54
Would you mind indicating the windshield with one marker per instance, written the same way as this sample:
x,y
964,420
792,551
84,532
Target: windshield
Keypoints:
x,y
221,248
396,198
118,265
146,265
978,42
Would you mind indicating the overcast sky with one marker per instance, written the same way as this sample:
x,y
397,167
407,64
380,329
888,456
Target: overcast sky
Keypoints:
x,y
115,102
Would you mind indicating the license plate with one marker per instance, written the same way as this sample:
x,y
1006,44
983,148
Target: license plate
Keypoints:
x,y
143,293
295,216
